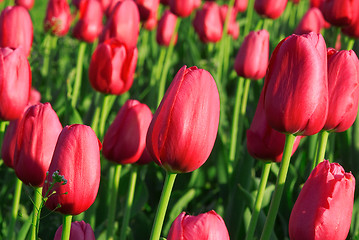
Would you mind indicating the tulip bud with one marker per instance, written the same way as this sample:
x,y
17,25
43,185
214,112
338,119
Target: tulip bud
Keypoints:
x,y
77,159
270,8
183,130
28,4
16,28
296,85
15,82
252,57
123,24
89,25
343,85
112,67
58,17
324,206
166,28
312,21
207,23
241,5
125,139
233,26
79,231
36,138
183,8
340,12
205,226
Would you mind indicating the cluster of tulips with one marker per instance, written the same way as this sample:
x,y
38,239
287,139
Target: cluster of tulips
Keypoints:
x,y
308,89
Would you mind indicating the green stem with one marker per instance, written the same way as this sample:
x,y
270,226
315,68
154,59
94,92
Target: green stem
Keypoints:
x,y
350,44
107,104
113,203
312,147
282,175
143,48
249,16
96,115
66,227
243,109
331,148
79,68
162,206
3,125
36,212
15,208
259,199
129,201
159,66
321,149
225,41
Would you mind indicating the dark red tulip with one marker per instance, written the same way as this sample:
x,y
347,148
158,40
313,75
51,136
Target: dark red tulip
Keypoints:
x,y
28,4
58,17
16,28
296,85
77,3
241,5
125,139
205,226
340,12
352,29
233,26
252,57
207,23
166,28
77,159
315,3
15,83
165,2
89,25
343,85
183,8
111,6
312,21
112,67
183,130
270,8
324,206
79,231
123,24
36,138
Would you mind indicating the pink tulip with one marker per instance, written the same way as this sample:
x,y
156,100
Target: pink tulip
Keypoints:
x,y
79,231
270,8
58,17
166,28
28,4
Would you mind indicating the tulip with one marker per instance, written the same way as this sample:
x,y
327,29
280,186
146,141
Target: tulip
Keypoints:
x,y
16,28
205,226
58,17
105,4
270,8
77,159
315,3
125,139
89,25
28,4
147,8
123,24
240,5
324,206
166,28
112,67
151,22
352,30
233,26
252,57
35,97
340,12
165,2
183,8
312,21
36,138
183,129
15,82
79,231
207,23
296,85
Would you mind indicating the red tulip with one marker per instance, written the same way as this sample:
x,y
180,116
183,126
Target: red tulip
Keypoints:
x,y
151,22
123,24
270,8
28,4
315,3
89,25
15,82
183,130
125,139
241,5
233,26
36,138
296,85
205,226
324,206
352,30
252,57
147,8
343,85
16,28
105,4
58,17
111,6
312,21
165,2
207,23
77,159
166,28
79,231
183,8
340,12
112,67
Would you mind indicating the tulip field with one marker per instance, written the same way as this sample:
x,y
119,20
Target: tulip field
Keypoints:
x,y
179,119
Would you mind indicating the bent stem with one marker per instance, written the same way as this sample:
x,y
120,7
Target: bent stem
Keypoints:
x,y
79,68
36,212
323,140
66,227
259,199
162,206
279,187
15,208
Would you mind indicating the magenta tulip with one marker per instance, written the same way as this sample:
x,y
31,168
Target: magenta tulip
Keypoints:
x,y
183,8
340,12
270,8
183,130
312,21
79,231
77,159
58,17
28,4
166,28
324,206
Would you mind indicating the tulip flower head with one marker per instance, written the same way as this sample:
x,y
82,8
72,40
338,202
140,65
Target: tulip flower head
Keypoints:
x,y
28,4
312,21
166,28
352,29
340,12
79,231
241,5
183,8
270,8
233,26
58,17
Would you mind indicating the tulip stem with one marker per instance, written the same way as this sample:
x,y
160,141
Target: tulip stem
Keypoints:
x,y
50,43
249,16
225,41
107,104
36,212
159,66
282,175
323,140
129,201
79,68
66,227
113,203
243,109
259,199
15,208
350,44
162,206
